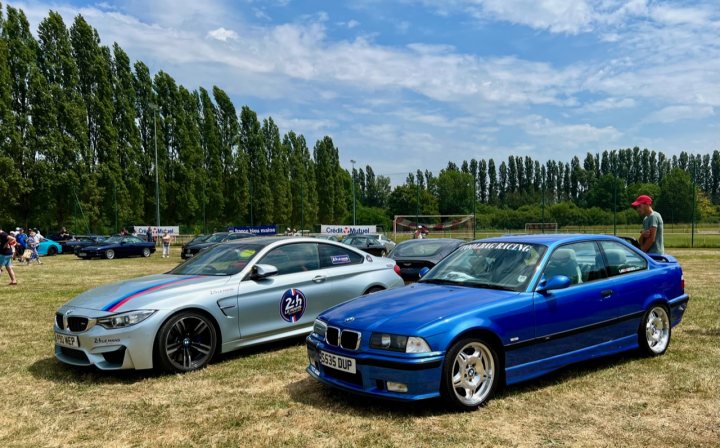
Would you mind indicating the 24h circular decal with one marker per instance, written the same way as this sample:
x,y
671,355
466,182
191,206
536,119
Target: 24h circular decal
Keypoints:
x,y
292,305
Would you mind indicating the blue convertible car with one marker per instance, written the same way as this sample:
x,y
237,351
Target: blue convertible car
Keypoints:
x,y
499,311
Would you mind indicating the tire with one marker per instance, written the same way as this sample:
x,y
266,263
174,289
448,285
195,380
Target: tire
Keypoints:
x,y
186,342
654,332
52,250
471,374
374,289
109,254
146,252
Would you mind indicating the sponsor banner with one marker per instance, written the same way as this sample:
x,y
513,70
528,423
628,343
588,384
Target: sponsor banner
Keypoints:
x,y
347,230
257,230
142,230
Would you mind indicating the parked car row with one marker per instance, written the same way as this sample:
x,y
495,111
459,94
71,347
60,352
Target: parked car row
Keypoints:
x,y
490,312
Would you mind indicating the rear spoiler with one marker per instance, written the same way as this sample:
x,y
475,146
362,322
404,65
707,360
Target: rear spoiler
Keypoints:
x,y
663,258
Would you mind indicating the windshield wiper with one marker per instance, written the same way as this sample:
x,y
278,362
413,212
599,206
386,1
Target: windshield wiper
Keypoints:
x,y
438,281
490,286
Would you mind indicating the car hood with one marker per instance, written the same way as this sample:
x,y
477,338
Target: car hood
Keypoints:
x,y
150,292
100,247
412,307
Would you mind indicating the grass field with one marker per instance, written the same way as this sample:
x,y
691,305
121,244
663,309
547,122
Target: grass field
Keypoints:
x,y
263,397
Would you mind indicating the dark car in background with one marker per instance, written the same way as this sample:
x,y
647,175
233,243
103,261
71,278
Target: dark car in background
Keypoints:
x,y
378,245
77,242
191,249
197,240
118,246
413,255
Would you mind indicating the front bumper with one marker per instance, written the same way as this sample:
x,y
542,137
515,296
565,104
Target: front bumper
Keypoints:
x,y
420,374
117,349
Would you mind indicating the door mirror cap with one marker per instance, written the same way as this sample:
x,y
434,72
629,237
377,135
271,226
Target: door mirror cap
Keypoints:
x,y
423,272
555,282
261,271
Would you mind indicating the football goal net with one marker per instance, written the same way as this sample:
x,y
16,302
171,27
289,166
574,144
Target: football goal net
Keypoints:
x,y
541,227
447,226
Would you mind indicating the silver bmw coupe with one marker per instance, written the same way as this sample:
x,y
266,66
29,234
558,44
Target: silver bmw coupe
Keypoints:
x,y
232,295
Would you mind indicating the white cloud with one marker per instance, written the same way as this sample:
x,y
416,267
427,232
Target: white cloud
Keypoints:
x,y
609,104
222,34
672,114
566,135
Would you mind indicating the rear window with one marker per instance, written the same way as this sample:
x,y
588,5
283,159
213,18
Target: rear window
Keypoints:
x,y
428,249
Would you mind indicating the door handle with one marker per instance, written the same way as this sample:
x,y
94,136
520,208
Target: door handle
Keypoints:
x,y
606,293
319,278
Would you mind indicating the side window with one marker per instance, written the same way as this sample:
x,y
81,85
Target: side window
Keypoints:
x,y
621,260
293,258
333,256
581,262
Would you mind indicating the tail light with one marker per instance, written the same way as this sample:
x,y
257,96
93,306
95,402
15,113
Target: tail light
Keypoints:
x,y
682,282
396,268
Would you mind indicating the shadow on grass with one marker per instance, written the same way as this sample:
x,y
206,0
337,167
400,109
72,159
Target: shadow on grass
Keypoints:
x,y
53,370
311,392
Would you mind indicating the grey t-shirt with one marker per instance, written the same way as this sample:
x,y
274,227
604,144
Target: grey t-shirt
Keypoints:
x,y
655,220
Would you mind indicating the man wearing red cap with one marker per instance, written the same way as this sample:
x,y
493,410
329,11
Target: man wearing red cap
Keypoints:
x,y
651,237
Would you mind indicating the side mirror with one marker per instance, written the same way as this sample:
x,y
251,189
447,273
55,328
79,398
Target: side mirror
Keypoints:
x,y
423,272
555,282
261,271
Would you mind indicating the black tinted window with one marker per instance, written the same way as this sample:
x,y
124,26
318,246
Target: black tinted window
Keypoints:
x,y
292,258
333,256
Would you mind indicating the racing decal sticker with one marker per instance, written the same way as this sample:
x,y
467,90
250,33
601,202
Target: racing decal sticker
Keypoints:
x,y
117,303
292,305
504,246
340,259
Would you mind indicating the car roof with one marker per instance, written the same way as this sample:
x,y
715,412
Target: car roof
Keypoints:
x,y
549,239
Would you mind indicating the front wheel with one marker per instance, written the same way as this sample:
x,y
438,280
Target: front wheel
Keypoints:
x,y
52,250
146,252
109,254
470,374
186,342
654,332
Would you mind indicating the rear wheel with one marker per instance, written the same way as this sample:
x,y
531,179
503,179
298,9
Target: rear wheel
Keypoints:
x,y
186,342
146,252
374,289
52,250
109,254
470,374
654,332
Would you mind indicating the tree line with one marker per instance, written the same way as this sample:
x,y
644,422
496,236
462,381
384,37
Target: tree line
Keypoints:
x,y
84,132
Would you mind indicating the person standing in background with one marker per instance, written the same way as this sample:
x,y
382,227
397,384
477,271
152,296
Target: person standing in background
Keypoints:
x,y
651,237
166,244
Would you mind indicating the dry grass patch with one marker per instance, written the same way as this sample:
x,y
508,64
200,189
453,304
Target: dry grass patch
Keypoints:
x,y
263,397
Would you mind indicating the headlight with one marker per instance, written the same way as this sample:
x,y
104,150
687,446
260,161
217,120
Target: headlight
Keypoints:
x,y
123,320
399,343
319,328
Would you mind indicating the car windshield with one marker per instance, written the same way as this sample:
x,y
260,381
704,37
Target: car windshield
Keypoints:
x,y
421,248
216,238
493,265
223,259
199,239
113,240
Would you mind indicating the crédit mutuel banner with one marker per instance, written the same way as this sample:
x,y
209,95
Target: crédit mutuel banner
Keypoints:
x,y
347,230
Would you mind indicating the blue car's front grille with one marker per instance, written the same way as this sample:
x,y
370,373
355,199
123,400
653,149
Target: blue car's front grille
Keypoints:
x,y
347,339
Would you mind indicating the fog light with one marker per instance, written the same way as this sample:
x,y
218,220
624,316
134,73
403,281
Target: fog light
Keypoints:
x,y
396,387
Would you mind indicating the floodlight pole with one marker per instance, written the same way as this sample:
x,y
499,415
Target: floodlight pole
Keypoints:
x,y
154,107
353,188
692,232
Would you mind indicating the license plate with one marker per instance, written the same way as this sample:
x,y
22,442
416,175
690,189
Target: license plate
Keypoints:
x,y
337,362
66,340
82,254
189,255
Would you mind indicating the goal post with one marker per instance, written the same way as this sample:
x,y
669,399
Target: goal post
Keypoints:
x,y
448,226
541,227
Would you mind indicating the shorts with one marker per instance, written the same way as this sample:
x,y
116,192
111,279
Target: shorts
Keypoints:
x,y
6,260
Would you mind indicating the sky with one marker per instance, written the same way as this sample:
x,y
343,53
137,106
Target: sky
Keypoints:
x,y
414,84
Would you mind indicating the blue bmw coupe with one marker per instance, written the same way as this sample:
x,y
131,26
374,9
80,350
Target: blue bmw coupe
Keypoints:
x,y
499,311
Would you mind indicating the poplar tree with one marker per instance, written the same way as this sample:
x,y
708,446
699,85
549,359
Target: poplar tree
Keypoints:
x,y
279,165
251,143
325,180
212,171
235,182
